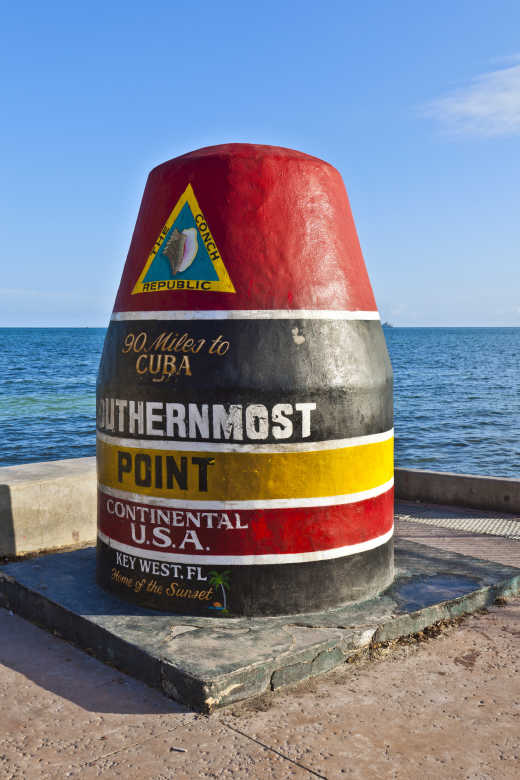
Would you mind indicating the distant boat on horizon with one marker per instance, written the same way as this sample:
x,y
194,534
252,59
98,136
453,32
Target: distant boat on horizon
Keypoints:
x,y
387,325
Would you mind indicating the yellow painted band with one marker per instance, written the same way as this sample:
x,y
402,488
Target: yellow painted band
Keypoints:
x,y
248,476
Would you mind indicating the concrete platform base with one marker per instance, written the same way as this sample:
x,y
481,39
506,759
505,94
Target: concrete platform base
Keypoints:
x,y
210,662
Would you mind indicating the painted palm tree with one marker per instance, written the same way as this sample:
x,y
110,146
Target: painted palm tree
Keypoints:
x,y
221,579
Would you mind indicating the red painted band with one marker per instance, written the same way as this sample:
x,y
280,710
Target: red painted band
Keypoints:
x,y
247,532
281,221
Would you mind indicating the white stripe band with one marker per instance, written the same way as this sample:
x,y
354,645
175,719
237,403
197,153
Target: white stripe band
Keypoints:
x,y
268,503
202,446
249,560
247,314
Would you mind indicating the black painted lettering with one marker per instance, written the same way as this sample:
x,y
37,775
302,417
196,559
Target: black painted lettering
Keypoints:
x,y
143,470
124,464
173,472
203,464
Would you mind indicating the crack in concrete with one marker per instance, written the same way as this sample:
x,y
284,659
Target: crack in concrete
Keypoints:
x,y
318,626
274,750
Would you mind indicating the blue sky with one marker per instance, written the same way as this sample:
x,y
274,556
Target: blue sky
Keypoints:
x,y
416,104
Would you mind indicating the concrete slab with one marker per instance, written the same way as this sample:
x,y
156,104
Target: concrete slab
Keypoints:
x,y
210,662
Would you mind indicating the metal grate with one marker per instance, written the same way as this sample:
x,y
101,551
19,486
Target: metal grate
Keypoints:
x,y
495,525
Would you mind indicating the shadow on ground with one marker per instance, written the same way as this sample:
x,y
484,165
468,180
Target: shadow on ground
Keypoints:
x,y
7,538
60,668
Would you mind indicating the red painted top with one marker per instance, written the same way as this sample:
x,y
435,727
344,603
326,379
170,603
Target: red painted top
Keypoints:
x,y
281,221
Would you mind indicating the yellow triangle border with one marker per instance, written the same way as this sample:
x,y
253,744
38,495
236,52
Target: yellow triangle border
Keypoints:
x,y
222,284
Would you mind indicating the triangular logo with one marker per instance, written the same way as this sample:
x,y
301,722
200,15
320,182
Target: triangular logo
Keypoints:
x,y
185,255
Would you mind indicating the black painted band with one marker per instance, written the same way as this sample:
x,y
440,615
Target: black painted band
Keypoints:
x,y
340,367
250,590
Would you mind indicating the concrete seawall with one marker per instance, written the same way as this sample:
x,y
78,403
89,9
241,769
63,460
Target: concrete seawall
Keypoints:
x,y
441,487
47,506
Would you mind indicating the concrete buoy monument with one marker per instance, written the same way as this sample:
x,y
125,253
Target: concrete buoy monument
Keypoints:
x,y
244,400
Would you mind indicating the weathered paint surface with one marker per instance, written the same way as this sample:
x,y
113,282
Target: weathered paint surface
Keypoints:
x,y
281,221
245,440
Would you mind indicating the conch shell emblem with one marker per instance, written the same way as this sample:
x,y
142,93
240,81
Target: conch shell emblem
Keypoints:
x,y
181,249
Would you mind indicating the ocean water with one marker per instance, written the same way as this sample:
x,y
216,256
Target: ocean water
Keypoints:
x,y
48,393
457,399
456,395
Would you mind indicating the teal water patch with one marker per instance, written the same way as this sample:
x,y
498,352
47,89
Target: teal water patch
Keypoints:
x,y
426,590
34,406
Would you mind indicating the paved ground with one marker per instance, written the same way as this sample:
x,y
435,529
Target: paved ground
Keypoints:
x,y
448,707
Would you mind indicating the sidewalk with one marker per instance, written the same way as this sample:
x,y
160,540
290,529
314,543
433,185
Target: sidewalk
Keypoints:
x,y
448,707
